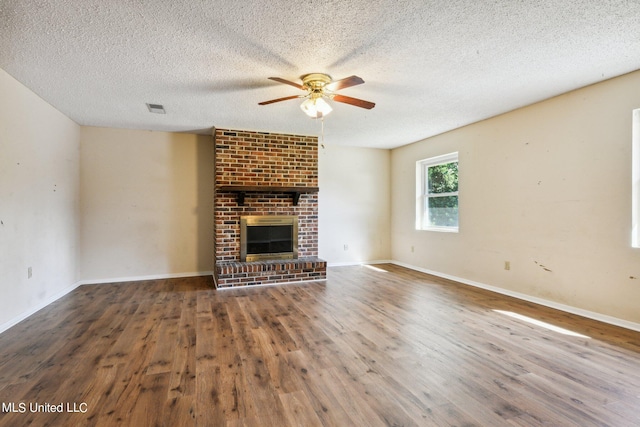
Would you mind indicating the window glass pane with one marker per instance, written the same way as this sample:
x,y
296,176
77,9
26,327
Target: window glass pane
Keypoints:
x,y
442,178
443,211
437,193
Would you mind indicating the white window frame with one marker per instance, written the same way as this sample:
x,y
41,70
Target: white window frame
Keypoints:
x,y
422,196
635,181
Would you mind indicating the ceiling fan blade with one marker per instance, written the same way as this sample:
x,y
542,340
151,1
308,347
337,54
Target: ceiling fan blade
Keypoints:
x,y
287,82
344,83
354,101
278,100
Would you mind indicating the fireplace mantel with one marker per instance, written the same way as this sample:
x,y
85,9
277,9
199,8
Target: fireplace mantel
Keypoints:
x,y
241,190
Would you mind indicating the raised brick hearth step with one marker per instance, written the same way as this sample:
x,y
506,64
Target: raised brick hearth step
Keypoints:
x,y
233,274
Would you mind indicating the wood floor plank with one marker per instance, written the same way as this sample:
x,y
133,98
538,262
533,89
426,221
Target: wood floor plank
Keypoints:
x,y
182,381
370,346
235,403
209,384
179,411
353,402
145,405
276,364
298,410
321,395
256,377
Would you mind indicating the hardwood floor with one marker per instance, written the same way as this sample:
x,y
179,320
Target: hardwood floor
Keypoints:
x,y
370,347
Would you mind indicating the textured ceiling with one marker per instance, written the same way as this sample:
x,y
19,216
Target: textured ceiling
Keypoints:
x,y
430,66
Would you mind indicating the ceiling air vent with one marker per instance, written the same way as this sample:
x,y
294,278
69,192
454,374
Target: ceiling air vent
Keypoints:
x,y
156,108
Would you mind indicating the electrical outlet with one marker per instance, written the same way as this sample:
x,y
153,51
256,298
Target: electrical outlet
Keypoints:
x,y
29,272
412,248
346,247
507,265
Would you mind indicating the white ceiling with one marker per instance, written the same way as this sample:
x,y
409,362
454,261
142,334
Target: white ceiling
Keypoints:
x,y
429,65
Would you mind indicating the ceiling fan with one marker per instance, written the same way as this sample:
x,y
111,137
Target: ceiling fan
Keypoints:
x,y
318,87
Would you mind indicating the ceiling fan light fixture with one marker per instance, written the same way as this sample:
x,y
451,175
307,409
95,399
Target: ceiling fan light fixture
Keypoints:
x,y
316,107
319,87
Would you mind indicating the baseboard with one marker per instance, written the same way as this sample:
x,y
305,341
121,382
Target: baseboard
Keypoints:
x,y
19,318
551,304
350,263
149,277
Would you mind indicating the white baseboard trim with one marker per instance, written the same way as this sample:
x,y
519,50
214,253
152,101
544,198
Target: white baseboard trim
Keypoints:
x,y
551,304
349,263
149,277
19,318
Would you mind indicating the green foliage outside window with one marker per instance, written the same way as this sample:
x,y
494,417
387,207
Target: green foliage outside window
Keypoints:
x,y
442,205
443,178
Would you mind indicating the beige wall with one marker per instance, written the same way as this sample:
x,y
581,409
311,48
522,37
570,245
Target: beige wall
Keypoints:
x,y
39,152
546,187
147,204
354,204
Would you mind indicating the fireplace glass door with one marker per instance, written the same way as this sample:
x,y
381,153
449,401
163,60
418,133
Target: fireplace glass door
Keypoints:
x,y
268,237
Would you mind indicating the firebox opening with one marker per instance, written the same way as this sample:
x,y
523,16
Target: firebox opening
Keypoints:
x,y
268,237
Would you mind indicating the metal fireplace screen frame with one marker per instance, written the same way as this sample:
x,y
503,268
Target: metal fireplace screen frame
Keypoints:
x,y
268,237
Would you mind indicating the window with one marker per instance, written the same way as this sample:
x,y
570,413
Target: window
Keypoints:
x,y
437,198
635,181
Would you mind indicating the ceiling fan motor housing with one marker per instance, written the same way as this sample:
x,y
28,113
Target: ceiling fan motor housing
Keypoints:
x,y
315,82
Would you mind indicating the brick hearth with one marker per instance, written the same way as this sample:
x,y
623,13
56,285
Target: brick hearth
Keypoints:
x,y
244,158
272,271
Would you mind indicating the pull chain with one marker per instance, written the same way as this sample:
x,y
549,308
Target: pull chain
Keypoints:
x,y
322,131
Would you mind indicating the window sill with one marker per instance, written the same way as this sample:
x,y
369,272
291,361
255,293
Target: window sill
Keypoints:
x,y
440,229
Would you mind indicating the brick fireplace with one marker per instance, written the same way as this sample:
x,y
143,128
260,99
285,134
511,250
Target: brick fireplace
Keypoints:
x,y
265,174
